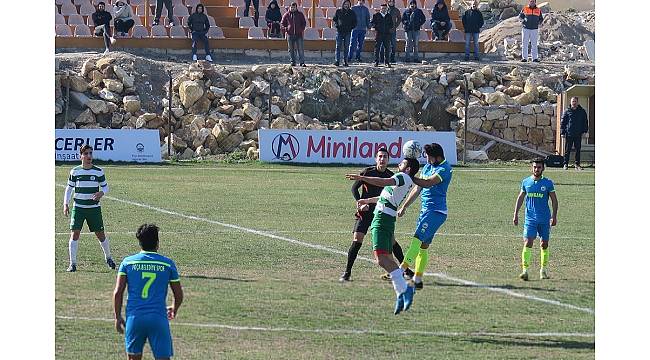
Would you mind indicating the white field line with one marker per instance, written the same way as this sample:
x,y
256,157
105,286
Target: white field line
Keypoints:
x,y
355,331
335,251
307,169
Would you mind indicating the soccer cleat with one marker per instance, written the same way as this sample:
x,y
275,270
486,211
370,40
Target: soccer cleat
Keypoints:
x,y
110,263
208,58
536,60
408,297
419,285
399,304
345,277
543,274
303,65
72,268
408,274
524,60
385,276
566,167
524,275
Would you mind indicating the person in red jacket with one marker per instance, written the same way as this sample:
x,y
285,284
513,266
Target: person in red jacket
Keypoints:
x,y
293,24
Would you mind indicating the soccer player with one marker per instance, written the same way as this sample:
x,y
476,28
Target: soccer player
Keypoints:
x,y
383,224
147,275
536,189
365,213
89,185
436,176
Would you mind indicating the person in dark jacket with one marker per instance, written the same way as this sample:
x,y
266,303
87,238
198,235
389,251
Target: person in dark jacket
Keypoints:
x,y
102,20
273,17
345,20
383,24
574,124
531,18
199,25
170,11
412,20
440,21
256,9
396,16
472,23
359,31
294,23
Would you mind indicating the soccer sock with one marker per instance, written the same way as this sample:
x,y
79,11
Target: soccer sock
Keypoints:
x,y
525,258
421,264
397,251
73,245
543,259
397,277
353,251
106,247
411,253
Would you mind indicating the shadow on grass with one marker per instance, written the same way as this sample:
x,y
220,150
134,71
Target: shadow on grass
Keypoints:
x,y
541,343
215,278
505,287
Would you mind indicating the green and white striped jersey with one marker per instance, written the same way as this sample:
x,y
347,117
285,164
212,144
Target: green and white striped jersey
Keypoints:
x,y
86,182
392,196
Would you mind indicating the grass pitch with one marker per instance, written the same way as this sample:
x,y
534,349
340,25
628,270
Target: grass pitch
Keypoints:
x,y
275,295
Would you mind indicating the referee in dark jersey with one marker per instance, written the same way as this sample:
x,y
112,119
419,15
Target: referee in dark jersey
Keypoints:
x,y
365,214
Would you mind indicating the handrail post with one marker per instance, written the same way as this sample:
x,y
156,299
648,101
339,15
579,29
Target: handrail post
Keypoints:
x,y
147,9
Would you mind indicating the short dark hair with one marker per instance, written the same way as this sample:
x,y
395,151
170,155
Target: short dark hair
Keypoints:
x,y
101,3
434,149
538,161
382,149
414,164
84,148
147,235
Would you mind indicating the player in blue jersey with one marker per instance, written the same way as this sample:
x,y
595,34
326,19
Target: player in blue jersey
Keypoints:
x,y
147,275
436,175
536,189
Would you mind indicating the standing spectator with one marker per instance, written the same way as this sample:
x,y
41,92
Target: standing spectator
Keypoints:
x,y
102,20
359,32
383,24
531,18
574,124
170,11
123,18
294,23
472,23
199,25
396,18
440,21
345,20
256,9
273,17
412,19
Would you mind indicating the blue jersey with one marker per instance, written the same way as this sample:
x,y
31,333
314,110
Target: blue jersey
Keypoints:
x,y
148,275
434,198
537,210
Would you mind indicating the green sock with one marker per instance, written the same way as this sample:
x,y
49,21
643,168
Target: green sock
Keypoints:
x,y
543,258
525,257
421,262
412,252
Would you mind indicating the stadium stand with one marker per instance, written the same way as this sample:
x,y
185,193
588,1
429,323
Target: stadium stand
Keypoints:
x,y
256,33
139,32
82,30
329,34
177,32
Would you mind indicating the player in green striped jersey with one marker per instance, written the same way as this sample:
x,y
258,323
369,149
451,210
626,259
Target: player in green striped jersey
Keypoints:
x,y
88,183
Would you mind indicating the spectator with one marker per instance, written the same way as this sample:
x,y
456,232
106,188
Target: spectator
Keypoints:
x,y
294,23
359,32
531,18
256,9
472,23
396,18
123,18
574,124
273,17
199,25
440,21
102,20
170,11
412,19
383,24
345,20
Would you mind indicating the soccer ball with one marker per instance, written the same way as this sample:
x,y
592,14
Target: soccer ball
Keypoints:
x,y
412,149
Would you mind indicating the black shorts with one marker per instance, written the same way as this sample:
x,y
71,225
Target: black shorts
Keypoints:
x,y
363,223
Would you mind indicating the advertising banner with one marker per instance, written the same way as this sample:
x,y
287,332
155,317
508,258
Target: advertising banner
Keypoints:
x,y
346,147
108,144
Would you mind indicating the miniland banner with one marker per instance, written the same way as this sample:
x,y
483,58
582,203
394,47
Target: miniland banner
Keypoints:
x,y
108,144
345,147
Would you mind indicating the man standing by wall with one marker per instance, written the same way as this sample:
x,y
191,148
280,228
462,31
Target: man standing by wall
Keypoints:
x,y
359,32
294,23
472,23
383,23
344,20
531,18
574,124
412,19
396,17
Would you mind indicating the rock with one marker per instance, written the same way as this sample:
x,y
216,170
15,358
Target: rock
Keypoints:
x,y
473,111
87,66
477,78
515,120
238,113
275,110
201,106
292,107
527,110
536,136
546,93
543,120
474,123
97,106
113,85
202,151
330,89
498,98
86,117
530,121
443,80
411,90
487,72
219,133
77,83
590,49
507,13
190,92
259,69
524,99
125,78
483,7
186,154
132,103
177,143
247,144
299,95
226,109
252,135
236,99
201,137
537,108
140,123
531,85
282,123
235,76
108,95
253,153
104,63
263,124
90,126
574,73
217,91
262,86
521,133
231,142
116,120
495,114
252,112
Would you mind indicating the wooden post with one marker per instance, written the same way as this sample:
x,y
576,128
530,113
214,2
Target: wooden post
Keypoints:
x,y
313,13
147,9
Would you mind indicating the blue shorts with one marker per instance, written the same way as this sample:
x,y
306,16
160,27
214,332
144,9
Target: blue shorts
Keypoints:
x,y
532,229
428,223
154,327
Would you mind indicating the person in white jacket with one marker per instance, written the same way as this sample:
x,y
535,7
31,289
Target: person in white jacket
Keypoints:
x,y
123,20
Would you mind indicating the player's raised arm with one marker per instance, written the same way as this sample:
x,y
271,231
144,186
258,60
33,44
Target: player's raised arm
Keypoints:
x,y
554,205
520,200
118,296
372,180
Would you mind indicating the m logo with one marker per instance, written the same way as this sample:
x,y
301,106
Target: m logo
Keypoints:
x,y
285,147
424,227
139,147
543,188
92,178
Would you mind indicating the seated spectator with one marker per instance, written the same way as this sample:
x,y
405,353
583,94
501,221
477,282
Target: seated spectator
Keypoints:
x,y
199,25
440,21
273,17
102,20
123,18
